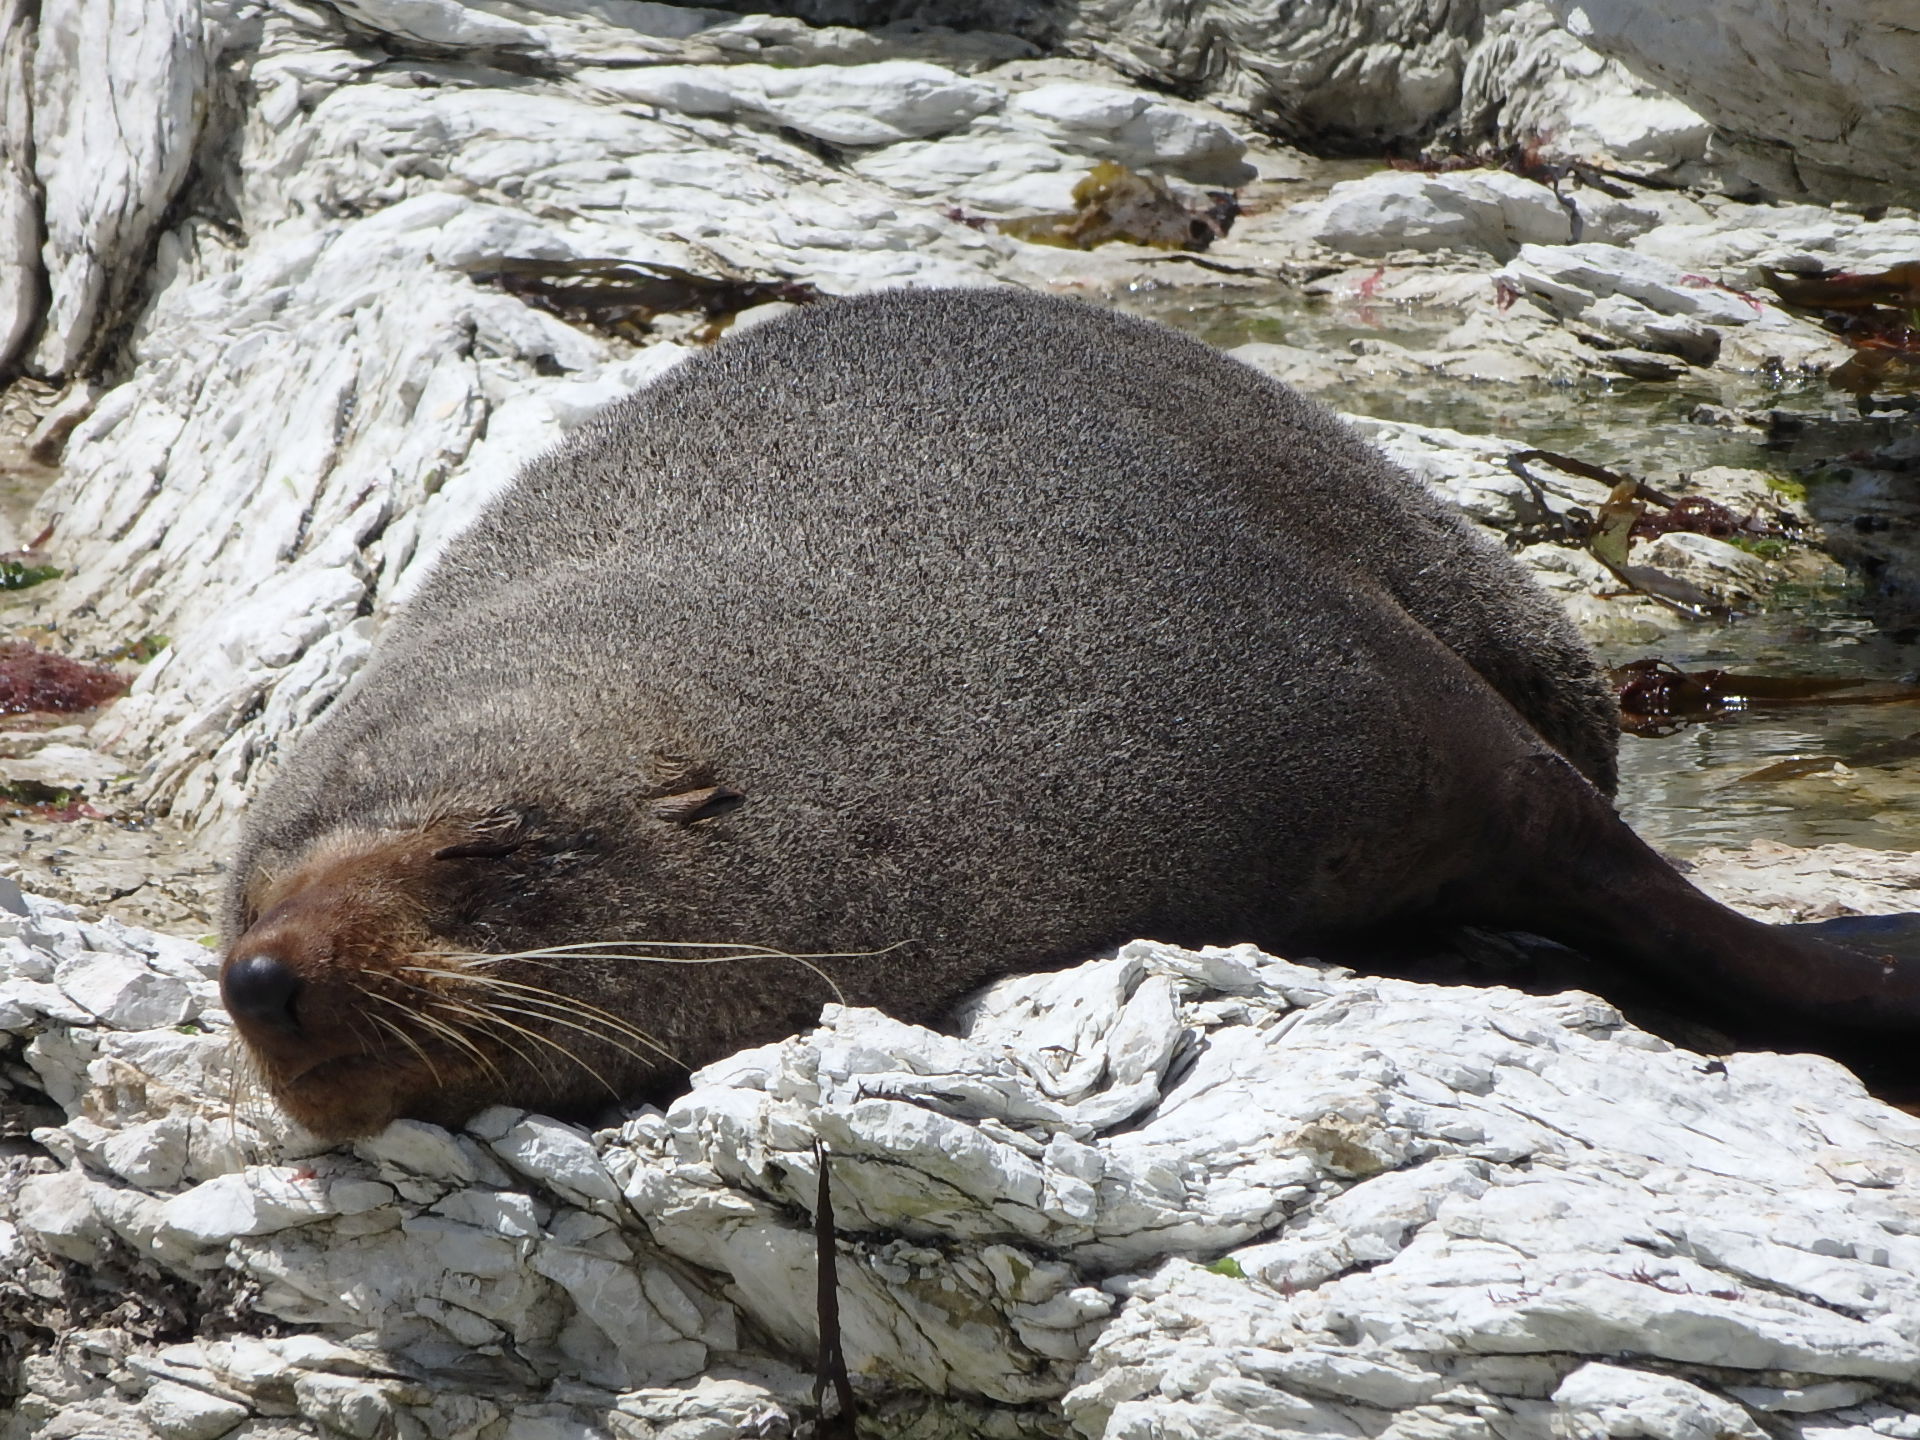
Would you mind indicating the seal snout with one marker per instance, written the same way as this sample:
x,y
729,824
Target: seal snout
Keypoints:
x,y
261,989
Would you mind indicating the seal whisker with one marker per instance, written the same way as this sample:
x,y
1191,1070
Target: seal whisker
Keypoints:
x,y
758,952
440,1028
490,1016
558,1010
565,1004
499,1028
490,1023
584,946
382,1023
497,1021
553,1012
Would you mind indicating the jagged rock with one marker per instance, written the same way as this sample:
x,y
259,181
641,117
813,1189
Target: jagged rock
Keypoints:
x,y
1174,1192
1486,210
1138,131
1531,86
1812,100
1400,210
180,1412
1355,79
855,105
21,275
117,109
1738,242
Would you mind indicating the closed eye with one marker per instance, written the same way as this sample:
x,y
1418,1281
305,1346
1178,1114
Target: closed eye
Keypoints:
x,y
479,850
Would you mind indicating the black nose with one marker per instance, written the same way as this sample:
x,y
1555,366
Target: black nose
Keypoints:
x,y
261,989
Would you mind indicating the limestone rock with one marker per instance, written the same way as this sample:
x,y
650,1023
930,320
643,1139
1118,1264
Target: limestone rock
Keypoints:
x,y
1174,1192
1530,85
21,275
842,104
116,113
1812,99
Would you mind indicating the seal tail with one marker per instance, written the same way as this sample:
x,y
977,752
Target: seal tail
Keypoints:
x,y
1848,988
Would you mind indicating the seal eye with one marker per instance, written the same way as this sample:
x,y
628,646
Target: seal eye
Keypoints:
x,y
692,805
261,989
479,850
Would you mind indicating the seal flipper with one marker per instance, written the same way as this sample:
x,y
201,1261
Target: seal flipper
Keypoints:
x,y
1896,936
1850,989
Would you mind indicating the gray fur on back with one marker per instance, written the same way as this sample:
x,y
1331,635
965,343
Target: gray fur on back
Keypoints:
x,y
1024,628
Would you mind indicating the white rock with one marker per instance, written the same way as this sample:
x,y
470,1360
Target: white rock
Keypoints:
x,y
1471,471
117,103
423,1149
444,22
842,104
126,992
362,1409
1812,98
992,167
58,1211
1631,321
20,265
1314,71
1423,1185
1138,131
24,1003
152,1155
1737,241
1531,84
180,1412
1599,1401
1569,278
1713,564
1488,210
258,1201
558,1155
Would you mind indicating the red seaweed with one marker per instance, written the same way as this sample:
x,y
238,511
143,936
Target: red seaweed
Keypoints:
x,y
35,679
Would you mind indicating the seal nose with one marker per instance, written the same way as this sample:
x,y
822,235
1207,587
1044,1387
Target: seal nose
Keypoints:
x,y
262,989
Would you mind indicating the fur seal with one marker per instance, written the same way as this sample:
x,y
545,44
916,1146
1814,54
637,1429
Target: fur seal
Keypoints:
x,y
928,637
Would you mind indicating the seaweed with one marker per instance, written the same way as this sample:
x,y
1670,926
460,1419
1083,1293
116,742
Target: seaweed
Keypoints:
x,y
38,801
1112,203
35,679
22,568
1876,312
1880,752
622,298
18,575
1658,698
1634,510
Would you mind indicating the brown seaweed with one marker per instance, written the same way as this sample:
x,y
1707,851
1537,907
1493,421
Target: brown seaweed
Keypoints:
x,y
1880,752
623,297
1657,698
1112,203
1634,510
1876,312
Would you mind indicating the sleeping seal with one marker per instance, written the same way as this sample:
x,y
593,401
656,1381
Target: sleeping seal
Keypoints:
x,y
927,637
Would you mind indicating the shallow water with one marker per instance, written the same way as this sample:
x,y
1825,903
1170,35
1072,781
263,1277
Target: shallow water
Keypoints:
x,y
1682,791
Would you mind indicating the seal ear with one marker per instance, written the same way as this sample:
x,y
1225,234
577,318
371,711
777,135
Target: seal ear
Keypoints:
x,y
692,805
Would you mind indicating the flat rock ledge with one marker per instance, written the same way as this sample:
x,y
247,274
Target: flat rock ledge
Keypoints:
x,y
1169,1193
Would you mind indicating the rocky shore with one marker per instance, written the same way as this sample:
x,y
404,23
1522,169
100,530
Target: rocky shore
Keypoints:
x,y
291,289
